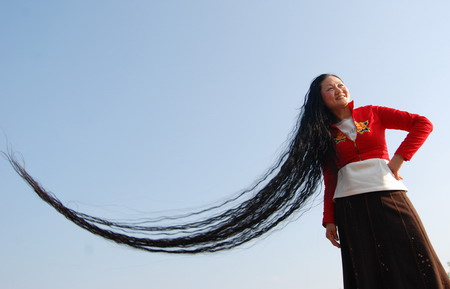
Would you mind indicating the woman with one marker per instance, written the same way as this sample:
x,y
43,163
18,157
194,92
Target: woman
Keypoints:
x,y
382,240
325,140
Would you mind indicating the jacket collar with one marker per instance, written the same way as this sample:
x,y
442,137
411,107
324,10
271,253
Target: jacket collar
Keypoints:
x,y
350,105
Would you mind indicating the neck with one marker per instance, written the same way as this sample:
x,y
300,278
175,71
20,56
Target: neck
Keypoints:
x,y
342,114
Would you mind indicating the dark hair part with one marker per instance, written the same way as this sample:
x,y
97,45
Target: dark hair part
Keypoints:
x,y
283,190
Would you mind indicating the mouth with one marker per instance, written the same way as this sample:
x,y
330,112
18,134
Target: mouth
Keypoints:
x,y
341,96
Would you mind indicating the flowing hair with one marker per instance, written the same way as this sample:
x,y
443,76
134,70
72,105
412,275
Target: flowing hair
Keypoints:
x,y
283,190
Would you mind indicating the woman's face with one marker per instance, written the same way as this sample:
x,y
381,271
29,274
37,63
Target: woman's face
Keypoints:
x,y
335,94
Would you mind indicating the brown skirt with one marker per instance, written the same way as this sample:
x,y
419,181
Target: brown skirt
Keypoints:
x,y
384,244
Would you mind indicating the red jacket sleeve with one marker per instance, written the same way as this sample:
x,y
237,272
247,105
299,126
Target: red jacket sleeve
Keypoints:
x,y
330,180
417,126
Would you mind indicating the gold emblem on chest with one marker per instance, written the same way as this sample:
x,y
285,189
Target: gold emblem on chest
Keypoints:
x,y
361,127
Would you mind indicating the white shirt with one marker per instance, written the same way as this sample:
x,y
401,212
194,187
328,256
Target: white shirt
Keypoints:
x,y
348,127
365,176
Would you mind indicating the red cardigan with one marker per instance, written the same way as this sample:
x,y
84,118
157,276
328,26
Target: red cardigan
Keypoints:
x,y
371,124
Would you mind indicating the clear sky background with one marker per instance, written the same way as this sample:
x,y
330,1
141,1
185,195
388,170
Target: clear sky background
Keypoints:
x,y
122,108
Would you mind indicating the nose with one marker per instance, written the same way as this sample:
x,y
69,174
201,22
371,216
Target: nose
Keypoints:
x,y
338,90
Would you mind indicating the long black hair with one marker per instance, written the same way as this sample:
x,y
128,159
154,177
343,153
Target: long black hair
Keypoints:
x,y
283,190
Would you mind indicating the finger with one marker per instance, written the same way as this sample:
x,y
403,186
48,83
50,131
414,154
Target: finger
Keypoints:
x,y
334,240
336,236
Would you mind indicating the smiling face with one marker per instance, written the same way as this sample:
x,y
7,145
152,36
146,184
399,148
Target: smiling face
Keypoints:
x,y
335,94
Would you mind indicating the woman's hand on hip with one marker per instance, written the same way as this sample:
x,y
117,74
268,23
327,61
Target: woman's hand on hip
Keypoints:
x,y
395,164
332,234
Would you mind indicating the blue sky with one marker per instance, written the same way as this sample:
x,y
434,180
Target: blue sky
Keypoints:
x,y
125,108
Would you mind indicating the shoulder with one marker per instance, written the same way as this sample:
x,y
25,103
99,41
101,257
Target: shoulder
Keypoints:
x,y
364,109
373,109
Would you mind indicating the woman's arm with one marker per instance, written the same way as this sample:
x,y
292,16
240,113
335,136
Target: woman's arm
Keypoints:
x,y
417,126
395,164
330,179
